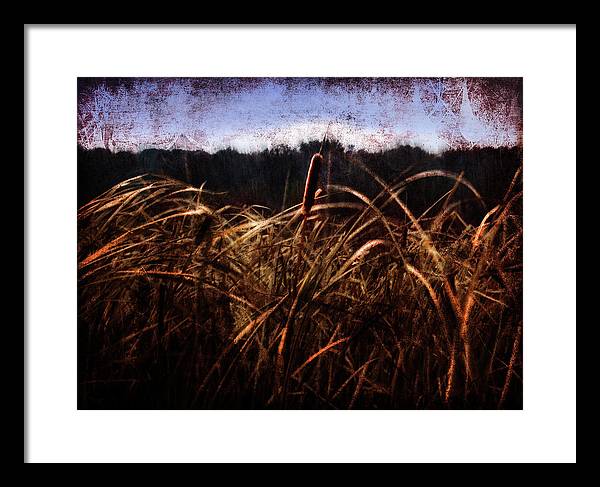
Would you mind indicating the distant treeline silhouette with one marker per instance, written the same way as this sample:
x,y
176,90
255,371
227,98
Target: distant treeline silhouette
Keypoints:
x,y
275,177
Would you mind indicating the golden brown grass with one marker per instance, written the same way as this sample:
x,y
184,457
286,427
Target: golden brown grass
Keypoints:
x,y
185,304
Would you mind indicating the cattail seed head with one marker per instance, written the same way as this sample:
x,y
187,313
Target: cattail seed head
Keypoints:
x,y
312,180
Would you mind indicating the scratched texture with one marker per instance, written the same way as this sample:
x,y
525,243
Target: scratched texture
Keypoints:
x,y
250,114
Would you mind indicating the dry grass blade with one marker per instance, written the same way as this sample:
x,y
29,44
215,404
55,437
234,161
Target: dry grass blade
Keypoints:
x,y
319,353
432,294
511,366
477,235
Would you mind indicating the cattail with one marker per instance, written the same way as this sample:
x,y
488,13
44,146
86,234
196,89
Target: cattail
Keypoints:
x,y
312,180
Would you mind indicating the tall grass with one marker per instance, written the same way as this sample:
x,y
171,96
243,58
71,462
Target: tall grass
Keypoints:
x,y
333,303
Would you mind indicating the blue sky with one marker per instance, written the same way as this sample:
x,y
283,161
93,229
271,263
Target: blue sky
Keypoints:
x,y
253,114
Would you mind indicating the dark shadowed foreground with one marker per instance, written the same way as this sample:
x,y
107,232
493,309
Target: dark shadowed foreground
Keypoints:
x,y
185,302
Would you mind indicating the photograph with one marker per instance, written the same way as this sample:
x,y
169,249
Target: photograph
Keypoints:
x,y
299,243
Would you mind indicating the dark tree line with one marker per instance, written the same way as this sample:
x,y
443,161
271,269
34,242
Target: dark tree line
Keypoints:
x,y
275,177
